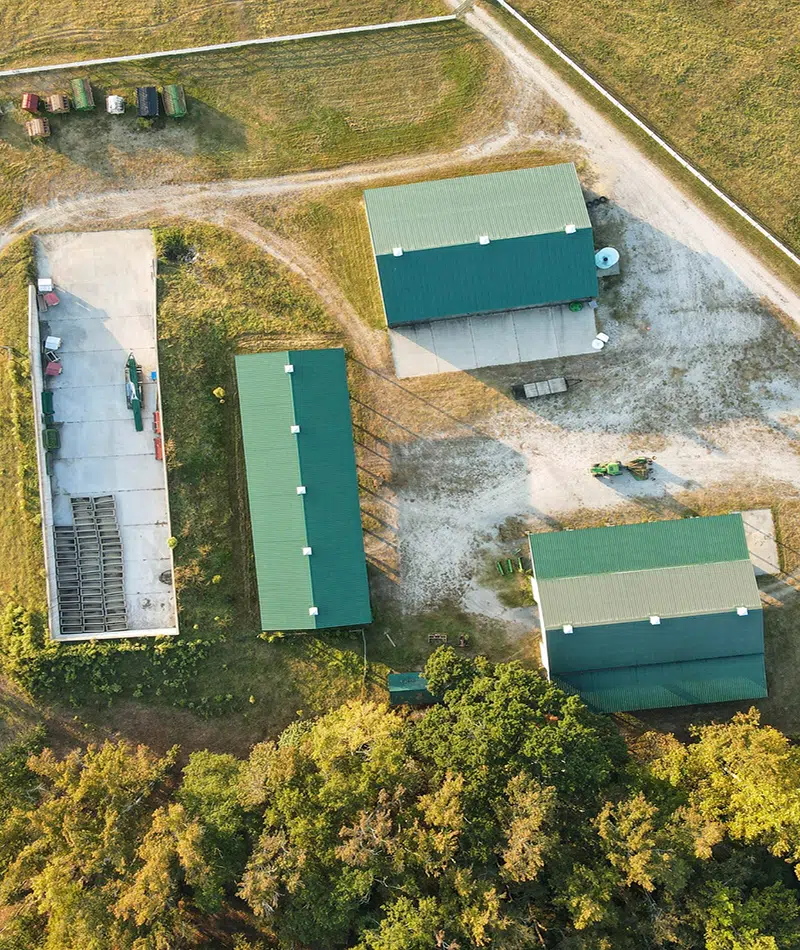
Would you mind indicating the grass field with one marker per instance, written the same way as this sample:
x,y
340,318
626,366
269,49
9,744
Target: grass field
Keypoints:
x,y
260,111
720,80
69,31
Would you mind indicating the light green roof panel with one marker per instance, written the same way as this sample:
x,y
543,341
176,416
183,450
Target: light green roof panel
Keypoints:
x,y
277,514
719,680
635,547
455,211
321,459
635,595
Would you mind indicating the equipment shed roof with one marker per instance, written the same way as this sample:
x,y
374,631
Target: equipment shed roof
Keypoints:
x,y
482,244
320,458
654,614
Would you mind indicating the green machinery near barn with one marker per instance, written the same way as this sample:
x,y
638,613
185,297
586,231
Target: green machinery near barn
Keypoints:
x,y
174,101
133,390
409,689
82,96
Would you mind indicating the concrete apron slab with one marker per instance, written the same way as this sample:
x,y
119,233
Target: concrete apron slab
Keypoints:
x,y
497,339
106,283
759,529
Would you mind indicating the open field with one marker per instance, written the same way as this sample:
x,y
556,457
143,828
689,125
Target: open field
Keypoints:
x,y
260,111
720,81
68,31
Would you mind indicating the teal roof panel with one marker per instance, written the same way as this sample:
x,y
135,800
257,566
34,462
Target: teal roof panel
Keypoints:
x,y
641,643
453,211
328,467
658,686
473,278
636,547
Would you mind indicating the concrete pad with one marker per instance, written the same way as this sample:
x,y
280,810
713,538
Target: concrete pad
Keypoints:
x,y
106,282
535,335
759,529
495,339
454,346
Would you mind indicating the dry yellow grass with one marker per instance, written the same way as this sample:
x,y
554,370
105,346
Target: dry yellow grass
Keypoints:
x,y
69,30
720,80
259,112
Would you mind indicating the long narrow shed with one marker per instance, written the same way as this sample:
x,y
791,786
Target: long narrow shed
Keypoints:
x,y
303,489
644,616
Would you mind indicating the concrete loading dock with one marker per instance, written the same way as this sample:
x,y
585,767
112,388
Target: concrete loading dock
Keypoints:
x,y
106,287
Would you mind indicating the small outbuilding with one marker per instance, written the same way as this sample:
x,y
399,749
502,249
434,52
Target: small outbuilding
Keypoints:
x,y
37,128
174,101
82,95
30,102
646,616
147,102
115,105
409,689
57,103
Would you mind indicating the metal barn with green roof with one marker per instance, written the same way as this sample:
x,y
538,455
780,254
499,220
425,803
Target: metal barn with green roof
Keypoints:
x,y
303,489
650,615
482,244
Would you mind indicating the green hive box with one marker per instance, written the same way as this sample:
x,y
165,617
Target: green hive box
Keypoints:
x,y
82,96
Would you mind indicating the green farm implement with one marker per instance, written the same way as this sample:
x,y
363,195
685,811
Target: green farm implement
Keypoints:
x,y
641,468
133,390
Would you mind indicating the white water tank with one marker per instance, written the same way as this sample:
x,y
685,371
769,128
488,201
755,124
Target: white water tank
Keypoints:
x,y
606,257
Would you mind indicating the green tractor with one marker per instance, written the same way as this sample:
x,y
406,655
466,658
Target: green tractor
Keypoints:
x,y
606,469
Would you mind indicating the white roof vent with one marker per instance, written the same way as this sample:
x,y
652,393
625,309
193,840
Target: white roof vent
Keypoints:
x,y
288,368
483,239
313,611
301,489
567,628
397,251
570,229
655,621
742,611
294,429
307,552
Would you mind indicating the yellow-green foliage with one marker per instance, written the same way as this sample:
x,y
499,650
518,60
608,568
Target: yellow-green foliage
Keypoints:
x,y
21,567
720,79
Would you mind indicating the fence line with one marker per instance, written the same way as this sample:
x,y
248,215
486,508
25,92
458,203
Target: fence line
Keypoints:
x,y
237,44
762,229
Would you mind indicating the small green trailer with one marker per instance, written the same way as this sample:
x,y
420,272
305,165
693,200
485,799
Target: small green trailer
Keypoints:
x,y
409,689
174,101
82,96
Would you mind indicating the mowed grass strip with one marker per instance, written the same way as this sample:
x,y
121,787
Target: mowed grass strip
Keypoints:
x,y
721,81
259,112
21,564
70,30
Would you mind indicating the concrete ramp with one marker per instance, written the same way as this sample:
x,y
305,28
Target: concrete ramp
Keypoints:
x,y
497,339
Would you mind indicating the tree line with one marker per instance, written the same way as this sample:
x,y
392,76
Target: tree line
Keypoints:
x,y
506,816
